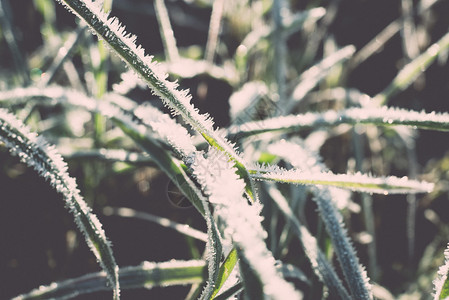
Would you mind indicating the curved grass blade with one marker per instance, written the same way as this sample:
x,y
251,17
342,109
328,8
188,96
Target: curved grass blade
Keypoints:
x,y
355,182
136,123
147,275
411,71
131,213
36,153
110,30
383,116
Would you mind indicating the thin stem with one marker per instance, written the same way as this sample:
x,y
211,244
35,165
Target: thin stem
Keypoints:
x,y
214,30
167,35
280,50
10,37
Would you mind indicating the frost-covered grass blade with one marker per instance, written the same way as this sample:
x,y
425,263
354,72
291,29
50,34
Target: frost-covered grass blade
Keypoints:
x,y
384,116
325,199
147,275
355,182
242,222
110,30
36,153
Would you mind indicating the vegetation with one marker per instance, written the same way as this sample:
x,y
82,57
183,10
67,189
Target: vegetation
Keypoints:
x,y
265,124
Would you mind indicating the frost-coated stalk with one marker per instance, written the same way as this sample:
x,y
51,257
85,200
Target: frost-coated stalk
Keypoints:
x,y
367,206
242,222
110,30
355,182
36,153
354,273
379,116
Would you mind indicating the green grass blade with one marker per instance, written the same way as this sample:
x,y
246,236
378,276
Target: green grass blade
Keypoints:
x,y
171,166
36,153
225,270
147,275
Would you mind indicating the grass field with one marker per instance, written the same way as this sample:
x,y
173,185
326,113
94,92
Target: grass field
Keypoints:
x,y
296,149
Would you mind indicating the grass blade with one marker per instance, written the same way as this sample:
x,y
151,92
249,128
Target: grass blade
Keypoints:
x,y
325,197
355,182
383,116
36,153
243,223
225,270
311,77
147,275
167,36
131,213
322,268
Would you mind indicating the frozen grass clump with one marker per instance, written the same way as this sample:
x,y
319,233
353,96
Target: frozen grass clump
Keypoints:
x,y
261,130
